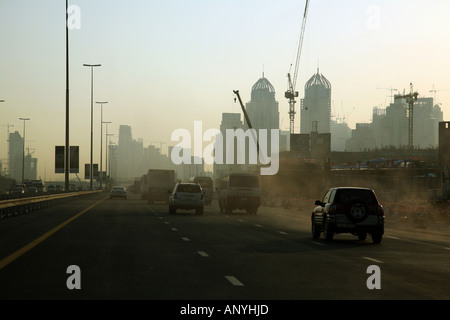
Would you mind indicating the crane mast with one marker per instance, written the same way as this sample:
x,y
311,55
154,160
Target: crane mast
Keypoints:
x,y
291,94
410,98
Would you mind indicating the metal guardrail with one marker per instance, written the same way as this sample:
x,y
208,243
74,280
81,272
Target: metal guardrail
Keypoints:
x,y
18,206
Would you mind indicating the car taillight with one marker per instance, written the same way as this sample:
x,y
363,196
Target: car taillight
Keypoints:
x,y
334,208
174,195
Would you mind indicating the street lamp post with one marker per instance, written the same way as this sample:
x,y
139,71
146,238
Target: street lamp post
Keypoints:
x,y
23,155
92,117
101,141
67,143
108,150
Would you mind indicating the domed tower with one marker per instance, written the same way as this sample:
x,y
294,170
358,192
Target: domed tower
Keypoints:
x,y
315,112
263,108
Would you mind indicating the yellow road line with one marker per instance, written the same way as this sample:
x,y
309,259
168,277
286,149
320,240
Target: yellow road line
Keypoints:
x,y
4,262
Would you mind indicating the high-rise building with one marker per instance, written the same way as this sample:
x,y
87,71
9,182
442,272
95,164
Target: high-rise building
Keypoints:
x,y
15,156
124,154
315,111
130,155
263,108
390,126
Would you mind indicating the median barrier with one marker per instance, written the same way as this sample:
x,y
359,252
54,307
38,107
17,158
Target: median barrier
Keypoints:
x,y
15,207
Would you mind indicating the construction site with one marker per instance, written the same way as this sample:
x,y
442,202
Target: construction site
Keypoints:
x,y
412,183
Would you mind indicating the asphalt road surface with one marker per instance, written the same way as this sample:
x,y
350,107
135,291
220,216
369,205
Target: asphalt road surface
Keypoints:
x,y
97,248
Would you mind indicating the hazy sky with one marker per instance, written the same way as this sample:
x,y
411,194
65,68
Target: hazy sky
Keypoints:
x,y
166,63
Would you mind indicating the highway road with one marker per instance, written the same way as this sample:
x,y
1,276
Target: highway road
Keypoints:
x,y
128,249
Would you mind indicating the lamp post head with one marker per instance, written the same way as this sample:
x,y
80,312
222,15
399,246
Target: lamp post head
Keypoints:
x,y
91,65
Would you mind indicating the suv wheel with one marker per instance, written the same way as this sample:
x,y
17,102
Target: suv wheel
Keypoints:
x,y
199,210
315,231
377,236
328,232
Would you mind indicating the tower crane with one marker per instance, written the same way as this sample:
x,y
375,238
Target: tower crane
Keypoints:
x,y
434,93
410,98
291,94
390,89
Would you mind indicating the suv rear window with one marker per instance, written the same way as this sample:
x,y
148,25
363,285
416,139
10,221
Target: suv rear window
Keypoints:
x,y
190,188
351,195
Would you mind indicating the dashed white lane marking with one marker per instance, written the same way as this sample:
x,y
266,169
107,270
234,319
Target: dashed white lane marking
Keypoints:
x,y
282,232
391,237
234,281
318,243
166,222
174,229
258,225
446,248
185,239
203,253
374,260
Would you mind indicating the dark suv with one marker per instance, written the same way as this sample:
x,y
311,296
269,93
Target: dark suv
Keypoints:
x,y
348,210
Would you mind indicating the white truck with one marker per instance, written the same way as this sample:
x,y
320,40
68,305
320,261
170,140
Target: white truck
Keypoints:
x,y
158,183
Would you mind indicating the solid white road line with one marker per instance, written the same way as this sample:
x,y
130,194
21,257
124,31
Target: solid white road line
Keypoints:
x,y
390,237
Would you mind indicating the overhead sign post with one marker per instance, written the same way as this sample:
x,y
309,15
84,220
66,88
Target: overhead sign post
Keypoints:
x,y
59,159
74,159
87,170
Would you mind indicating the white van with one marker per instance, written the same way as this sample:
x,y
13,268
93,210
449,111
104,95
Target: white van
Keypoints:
x,y
239,191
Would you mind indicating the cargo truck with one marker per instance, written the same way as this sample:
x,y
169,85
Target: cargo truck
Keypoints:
x,y
158,183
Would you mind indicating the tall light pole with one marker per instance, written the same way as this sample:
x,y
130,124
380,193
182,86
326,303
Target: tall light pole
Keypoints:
x,y
92,117
101,141
109,149
23,155
66,167
106,160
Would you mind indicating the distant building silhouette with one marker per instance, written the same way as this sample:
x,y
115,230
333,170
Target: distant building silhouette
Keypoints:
x,y
15,156
130,155
340,133
229,121
316,105
389,127
263,108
